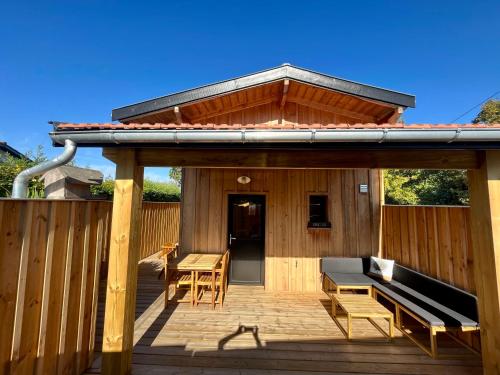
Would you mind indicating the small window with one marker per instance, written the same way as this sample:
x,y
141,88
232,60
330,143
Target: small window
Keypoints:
x,y
318,211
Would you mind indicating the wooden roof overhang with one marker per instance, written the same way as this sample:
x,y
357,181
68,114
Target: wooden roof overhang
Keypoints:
x,y
350,146
281,85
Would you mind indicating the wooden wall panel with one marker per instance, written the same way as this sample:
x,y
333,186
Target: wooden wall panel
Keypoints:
x,y
49,266
292,250
270,114
434,240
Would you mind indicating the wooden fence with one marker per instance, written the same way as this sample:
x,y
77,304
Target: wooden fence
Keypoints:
x,y
160,224
51,253
49,268
434,240
50,258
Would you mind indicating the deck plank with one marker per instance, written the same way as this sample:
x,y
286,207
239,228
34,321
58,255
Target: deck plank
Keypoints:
x,y
283,333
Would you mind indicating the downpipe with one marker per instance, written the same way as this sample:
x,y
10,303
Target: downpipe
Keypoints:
x,y
20,186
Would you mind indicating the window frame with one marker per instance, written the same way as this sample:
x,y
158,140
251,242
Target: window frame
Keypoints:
x,y
325,224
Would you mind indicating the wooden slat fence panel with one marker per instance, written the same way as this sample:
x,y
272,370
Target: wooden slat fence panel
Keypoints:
x,y
434,240
160,224
49,267
50,258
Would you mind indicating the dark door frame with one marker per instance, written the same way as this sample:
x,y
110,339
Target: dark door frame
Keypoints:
x,y
228,223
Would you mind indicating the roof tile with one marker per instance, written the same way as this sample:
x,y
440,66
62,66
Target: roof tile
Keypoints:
x,y
287,126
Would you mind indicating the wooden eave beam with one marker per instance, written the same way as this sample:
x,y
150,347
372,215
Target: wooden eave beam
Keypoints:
x,y
178,115
392,116
286,85
300,159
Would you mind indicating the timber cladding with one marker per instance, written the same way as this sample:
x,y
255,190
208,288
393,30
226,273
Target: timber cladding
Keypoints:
x,y
292,251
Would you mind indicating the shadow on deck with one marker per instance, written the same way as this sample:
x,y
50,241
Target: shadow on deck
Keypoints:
x,y
259,332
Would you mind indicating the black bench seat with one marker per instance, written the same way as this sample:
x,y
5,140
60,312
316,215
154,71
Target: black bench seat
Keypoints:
x,y
428,309
439,306
349,278
430,318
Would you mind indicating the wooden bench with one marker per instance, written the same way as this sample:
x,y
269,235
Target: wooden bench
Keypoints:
x,y
360,306
437,306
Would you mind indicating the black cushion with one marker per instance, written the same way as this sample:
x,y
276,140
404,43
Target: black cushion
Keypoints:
x,y
354,279
430,310
386,288
342,265
457,300
451,317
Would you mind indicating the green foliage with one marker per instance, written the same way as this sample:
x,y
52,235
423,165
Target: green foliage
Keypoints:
x,y
489,114
175,175
161,191
426,187
104,190
10,167
397,186
153,191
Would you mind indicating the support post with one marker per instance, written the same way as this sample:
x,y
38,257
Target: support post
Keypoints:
x,y
122,267
484,187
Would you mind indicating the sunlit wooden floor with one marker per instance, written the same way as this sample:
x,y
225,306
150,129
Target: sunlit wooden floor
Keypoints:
x,y
259,332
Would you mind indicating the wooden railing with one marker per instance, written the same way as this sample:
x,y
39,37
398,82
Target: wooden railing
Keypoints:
x,y
51,253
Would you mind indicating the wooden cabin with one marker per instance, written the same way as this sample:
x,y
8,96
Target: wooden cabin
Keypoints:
x,y
283,167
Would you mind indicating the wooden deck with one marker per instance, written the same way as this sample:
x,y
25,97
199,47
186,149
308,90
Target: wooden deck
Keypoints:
x,y
259,332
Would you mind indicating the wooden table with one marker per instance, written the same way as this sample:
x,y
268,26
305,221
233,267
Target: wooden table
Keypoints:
x,y
361,306
195,263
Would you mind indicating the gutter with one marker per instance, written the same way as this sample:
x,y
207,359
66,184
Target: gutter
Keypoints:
x,y
20,186
129,136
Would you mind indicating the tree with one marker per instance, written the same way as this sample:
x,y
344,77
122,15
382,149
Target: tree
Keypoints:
x,y
11,166
435,187
489,113
175,175
397,187
427,187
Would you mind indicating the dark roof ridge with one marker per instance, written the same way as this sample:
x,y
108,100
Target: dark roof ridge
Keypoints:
x,y
285,71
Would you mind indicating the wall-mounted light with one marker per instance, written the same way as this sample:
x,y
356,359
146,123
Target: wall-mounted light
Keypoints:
x,y
243,180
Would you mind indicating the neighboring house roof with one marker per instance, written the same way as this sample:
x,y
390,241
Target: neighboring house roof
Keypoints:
x,y
285,71
12,151
77,175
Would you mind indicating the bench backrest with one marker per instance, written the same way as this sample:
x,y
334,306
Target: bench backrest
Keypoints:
x,y
456,299
341,265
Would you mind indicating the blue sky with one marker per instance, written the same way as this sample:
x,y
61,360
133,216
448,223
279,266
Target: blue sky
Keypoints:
x,y
76,60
